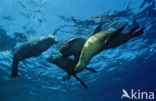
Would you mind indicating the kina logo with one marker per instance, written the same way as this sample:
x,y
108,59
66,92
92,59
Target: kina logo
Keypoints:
x,y
125,94
139,95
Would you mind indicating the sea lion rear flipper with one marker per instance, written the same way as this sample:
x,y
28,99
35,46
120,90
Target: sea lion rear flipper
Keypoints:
x,y
139,32
80,81
97,29
66,77
134,29
91,69
116,33
14,69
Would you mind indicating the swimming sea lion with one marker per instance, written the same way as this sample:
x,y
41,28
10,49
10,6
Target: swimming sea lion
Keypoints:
x,y
31,48
104,40
75,45
72,47
67,65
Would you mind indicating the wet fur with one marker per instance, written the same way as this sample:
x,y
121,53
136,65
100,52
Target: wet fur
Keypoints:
x,y
29,49
72,47
68,65
104,40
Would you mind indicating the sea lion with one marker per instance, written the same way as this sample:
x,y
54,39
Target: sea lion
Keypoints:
x,y
31,48
75,45
68,66
72,47
104,40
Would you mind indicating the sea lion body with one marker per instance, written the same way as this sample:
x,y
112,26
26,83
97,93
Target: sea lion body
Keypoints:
x,y
72,47
68,65
75,45
31,48
101,41
92,46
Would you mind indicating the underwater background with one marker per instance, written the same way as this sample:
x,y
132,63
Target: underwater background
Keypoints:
x,y
129,66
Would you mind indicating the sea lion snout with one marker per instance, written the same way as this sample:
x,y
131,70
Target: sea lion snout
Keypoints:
x,y
48,59
53,58
51,37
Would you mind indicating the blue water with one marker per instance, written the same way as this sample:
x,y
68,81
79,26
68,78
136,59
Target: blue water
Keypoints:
x,y
129,66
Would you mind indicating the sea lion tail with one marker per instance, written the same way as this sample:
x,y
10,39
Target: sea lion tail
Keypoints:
x,y
81,81
14,69
91,69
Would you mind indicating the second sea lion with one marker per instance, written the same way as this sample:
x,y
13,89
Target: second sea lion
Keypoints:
x,y
72,47
68,66
32,48
75,45
104,40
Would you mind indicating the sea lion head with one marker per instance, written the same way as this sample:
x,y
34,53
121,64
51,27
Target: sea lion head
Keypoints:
x,y
53,58
65,49
52,39
72,46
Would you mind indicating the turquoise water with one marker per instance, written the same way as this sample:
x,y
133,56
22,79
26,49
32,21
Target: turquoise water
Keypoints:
x,y
129,66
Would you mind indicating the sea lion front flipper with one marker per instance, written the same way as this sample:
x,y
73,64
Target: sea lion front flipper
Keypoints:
x,y
91,69
97,29
66,77
80,81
